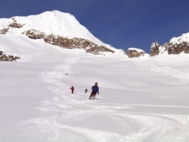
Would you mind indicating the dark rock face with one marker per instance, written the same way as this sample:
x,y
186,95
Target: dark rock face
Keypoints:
x,y
33,34
132,53
170,48
4,57
69,43
154,50
178,48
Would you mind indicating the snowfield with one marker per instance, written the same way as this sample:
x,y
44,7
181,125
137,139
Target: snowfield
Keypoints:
x,y
140,100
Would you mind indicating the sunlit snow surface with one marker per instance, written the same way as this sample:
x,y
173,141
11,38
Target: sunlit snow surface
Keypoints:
x,y
140,100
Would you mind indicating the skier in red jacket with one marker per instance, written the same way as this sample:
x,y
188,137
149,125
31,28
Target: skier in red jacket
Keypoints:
x,y
72,89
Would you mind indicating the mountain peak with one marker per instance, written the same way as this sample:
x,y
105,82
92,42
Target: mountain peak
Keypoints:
x,y
52,22
57,28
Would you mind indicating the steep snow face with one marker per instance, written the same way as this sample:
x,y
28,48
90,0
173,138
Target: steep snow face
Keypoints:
x,y
52,22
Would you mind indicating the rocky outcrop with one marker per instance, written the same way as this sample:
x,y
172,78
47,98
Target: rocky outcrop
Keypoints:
x,y
176,45
4,57
178,48
4,31
33,34
11,25
14,24
69,43
169,47
135,53
154,50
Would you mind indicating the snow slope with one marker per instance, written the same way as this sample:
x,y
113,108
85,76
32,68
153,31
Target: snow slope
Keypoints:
x,y
139,100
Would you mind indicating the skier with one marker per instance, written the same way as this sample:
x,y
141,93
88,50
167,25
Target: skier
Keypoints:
x,y
72,89
95,89
86,90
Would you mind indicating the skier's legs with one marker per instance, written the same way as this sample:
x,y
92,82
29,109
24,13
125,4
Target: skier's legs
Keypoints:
x,y
90,97
94,96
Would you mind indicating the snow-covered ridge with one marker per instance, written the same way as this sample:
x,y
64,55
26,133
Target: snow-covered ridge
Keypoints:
x,y
183,38
51,22
176,45
64,30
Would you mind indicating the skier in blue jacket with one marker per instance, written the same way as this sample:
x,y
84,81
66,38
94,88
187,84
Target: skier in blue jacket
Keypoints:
x,y
95,90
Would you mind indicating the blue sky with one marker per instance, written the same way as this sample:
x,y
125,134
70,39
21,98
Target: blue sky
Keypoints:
x,y
120,23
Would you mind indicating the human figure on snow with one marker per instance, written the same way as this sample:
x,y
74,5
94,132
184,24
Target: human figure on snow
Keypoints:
x,y
72,89
86,90
95,90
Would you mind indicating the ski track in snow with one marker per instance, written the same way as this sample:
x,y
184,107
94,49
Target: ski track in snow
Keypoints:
x,y
68,115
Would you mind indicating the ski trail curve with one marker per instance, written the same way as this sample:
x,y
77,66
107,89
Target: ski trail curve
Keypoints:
x,y
71,118
135,127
